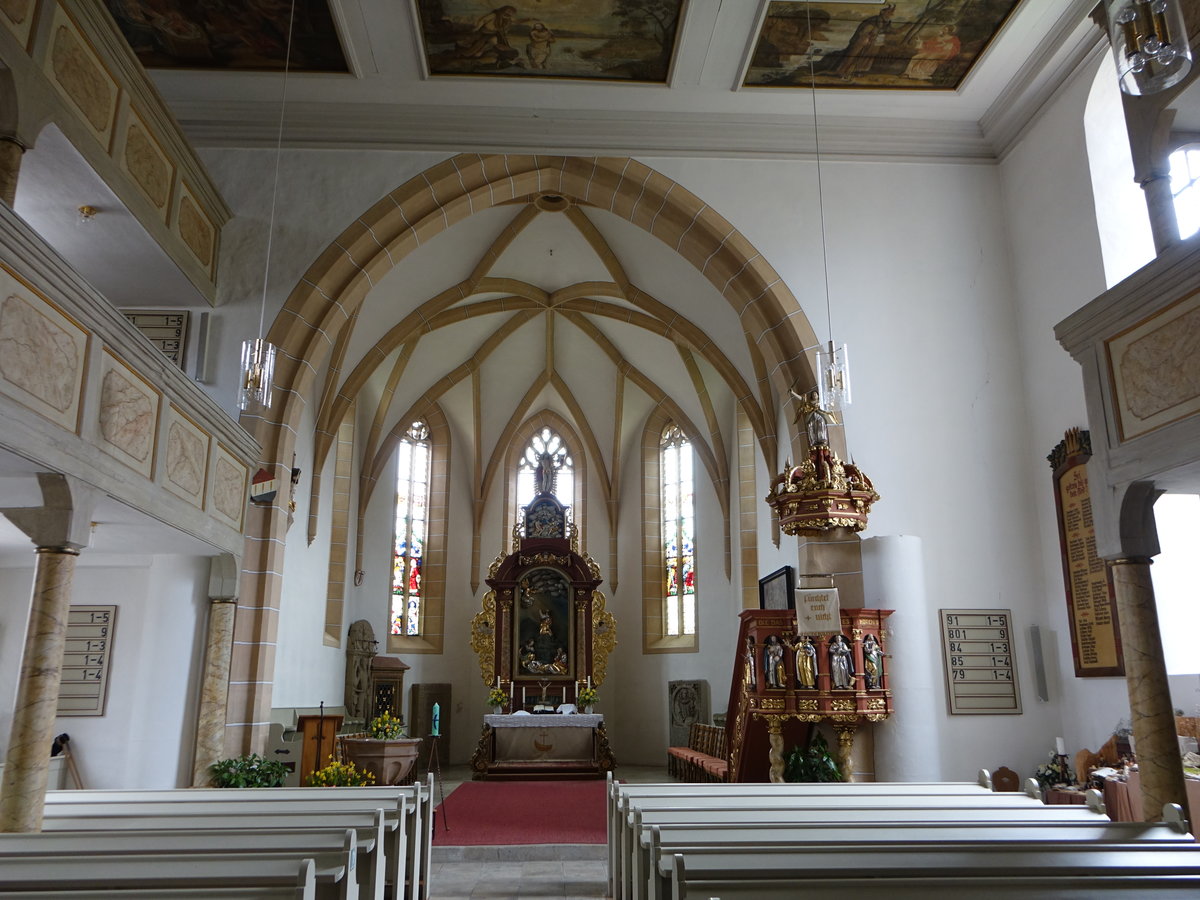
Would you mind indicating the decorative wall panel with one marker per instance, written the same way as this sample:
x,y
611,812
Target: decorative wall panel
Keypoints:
x,y
194,227
77,71
145,162
1154,378
128,416
41,353
17,16
227,500
186,458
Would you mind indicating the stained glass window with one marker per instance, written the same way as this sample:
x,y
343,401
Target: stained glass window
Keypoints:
x,y
412,515
678,532
547,441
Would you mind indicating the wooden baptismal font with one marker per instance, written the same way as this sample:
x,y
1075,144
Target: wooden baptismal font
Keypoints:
x,y
542,636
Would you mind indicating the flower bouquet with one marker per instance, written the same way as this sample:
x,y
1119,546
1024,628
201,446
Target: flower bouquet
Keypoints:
x,y
385,727
340,774
588,696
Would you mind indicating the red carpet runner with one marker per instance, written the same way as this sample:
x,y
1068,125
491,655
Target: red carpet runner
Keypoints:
x,y
523,812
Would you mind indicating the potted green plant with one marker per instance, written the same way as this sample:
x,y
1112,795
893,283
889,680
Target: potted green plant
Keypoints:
x,y
812,762
247,771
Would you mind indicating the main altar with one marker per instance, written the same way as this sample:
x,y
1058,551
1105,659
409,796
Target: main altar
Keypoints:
x,y
543,636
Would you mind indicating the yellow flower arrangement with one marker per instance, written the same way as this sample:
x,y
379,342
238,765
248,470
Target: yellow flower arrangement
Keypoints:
x,y
497,697
340,774
385,727
588,696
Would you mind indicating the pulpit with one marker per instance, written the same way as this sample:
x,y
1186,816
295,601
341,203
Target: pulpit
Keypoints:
x,y
785,682
543,634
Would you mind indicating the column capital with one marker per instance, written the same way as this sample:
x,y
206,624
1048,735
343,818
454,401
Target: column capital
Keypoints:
x,y
64,520
1131,561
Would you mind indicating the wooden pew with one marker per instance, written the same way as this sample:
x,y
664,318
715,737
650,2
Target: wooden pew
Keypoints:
x,y
367,863
413,802
1074,871
652,867
825,804
194,875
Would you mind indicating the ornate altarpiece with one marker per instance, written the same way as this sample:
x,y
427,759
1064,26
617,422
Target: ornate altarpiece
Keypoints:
x,y
543,633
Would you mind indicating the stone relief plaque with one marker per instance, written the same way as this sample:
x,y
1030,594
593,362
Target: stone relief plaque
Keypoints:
x,y
228,498
186,458
73,66
194,228
687,702
128,416
17,15
1149,390
145,162
42,353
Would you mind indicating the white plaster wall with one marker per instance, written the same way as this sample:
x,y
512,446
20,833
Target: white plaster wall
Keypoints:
x,y
1057,268
146,737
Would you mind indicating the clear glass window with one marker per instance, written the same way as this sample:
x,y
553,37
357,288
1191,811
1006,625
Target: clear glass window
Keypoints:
x,y
546,440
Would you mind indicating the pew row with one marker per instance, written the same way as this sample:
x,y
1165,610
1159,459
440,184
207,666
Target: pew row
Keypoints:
x,y
898,870
363,849
408,816
180,875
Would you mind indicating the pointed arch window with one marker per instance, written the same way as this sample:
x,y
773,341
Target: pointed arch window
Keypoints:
x,y
411,526
546,441
678,533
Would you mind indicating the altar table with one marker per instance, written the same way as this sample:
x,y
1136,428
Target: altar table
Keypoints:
x,y
542,746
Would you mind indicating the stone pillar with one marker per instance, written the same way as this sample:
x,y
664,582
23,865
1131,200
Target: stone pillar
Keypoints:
x,y
775,754
214,686
59,529
10,165
1149,692
1160,204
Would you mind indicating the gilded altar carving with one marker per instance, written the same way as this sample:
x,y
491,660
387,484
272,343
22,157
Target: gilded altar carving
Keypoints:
x,y
842,705
876,703
772,703
806,705
495,566
545,558
604,637
592,566
483,637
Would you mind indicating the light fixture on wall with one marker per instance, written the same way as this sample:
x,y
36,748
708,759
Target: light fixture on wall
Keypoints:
x,y
832,363
1150,44
87,214
258,355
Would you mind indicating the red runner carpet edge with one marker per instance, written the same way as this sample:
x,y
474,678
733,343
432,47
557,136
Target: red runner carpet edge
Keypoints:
x,y
522,812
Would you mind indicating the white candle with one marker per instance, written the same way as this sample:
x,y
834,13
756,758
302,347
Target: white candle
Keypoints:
x,y
589,681
497,681
1061,746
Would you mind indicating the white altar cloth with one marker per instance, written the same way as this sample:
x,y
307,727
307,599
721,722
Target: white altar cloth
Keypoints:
x,y
579,720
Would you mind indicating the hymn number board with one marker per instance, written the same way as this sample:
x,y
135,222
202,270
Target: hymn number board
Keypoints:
x,y
84,688
166,329
980,657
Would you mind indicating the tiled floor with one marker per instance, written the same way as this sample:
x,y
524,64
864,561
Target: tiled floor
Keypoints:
x,y
560,871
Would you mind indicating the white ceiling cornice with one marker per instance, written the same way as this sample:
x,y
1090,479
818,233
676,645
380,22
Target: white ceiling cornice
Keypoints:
x,y
579,132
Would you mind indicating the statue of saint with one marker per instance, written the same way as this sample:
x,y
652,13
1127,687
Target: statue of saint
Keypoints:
x,y
773,671
544,475
872,662
816,421
361,648
841,669
806,664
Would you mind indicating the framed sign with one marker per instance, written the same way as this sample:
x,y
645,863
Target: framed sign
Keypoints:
x,y
84,687
777,590
981,667
1091,599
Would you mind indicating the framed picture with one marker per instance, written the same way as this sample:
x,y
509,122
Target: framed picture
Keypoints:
x,y
778,590
543,627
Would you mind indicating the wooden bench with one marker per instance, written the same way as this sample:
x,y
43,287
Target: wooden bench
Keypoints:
x,y
366,862
704,759
1076,871
667,840
796,803
185,874
408,848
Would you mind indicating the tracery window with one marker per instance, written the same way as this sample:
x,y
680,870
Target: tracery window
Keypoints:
x,y
412,517
678,533
549,442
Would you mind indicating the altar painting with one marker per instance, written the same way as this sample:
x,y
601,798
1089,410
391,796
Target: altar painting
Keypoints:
x,y
230,34
543,626
902,44
617,40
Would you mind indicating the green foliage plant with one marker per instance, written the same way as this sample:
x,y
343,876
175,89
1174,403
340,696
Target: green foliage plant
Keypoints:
x,y
811,763
385,727
248,771
340,774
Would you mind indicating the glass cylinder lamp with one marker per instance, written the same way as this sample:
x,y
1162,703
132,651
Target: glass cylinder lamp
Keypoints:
x,y
258,369
1150,44
833,377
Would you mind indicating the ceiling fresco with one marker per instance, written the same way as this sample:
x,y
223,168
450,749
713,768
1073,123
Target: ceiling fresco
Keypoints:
x,y
230,34
615,40
905,44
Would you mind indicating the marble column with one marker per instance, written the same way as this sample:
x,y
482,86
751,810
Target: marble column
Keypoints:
x,y
1156,746
224,575
10,165
845,749
1160,204
59,529
775,754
